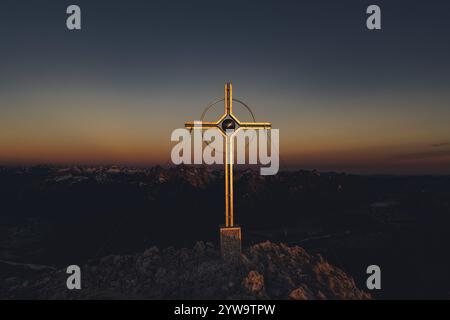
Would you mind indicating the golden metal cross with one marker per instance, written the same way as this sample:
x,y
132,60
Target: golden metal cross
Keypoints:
x,y
227,123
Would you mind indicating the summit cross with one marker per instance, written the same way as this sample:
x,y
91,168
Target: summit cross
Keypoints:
x,y
228,125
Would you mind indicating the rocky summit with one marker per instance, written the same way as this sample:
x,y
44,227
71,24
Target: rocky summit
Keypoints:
x,y
266,271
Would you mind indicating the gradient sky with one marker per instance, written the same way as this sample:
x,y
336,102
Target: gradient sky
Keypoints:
x,y
344,98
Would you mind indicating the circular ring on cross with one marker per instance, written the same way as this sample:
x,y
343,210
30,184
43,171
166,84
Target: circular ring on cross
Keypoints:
x,y
215,102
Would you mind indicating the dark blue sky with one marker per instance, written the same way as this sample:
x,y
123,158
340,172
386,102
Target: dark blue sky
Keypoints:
x,y
342,96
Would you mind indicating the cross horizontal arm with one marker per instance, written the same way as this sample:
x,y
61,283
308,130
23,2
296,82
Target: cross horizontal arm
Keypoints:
x,y
255,125
200,125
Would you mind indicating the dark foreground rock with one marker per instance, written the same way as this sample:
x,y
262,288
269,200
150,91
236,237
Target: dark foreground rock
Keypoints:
x,y
267,271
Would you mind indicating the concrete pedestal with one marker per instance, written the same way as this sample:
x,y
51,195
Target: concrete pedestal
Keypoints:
x,y
230,243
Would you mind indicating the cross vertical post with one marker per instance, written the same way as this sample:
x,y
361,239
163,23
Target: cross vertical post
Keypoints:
x,y
228,102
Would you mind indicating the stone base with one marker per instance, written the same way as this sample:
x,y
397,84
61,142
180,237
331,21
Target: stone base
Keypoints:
x,y
230,243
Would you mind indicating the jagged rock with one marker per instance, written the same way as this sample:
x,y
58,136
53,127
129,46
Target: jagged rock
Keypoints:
x,y
200,249
254,282
267,271
151,252
298,294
